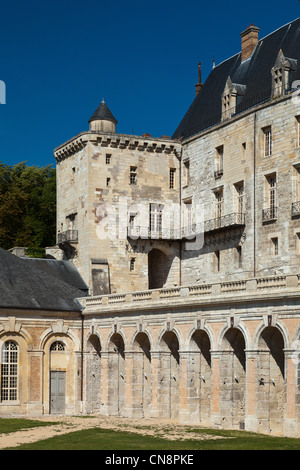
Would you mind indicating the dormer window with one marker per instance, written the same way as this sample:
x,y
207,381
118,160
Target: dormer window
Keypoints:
x,y
278,88
230,96
281,74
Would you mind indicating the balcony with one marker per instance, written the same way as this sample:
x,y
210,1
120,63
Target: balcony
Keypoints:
x,y
69,236
296,209
147,234
225,221
270,214
234,220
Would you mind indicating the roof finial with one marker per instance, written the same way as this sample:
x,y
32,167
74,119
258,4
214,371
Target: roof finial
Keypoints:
x,y
214,62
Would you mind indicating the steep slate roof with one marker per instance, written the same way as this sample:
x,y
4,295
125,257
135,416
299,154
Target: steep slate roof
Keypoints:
x,y
103,113
39,284
254,72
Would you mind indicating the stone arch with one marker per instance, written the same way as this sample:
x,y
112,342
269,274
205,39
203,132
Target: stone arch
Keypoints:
x,y
59,371
280,326
93,373
116,374
52,333
169,375
141,376
199,377
22,333
159,266
270,383
233,379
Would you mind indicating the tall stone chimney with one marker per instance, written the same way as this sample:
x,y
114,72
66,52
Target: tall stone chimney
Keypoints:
x,y
199,85
249,41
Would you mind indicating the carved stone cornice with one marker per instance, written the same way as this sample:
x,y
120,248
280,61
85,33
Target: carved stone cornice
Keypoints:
x,y
122,141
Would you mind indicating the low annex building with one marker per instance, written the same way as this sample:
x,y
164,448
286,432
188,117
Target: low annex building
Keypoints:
x,y
190,248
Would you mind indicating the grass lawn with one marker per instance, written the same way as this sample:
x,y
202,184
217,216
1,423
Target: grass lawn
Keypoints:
x,y
103,439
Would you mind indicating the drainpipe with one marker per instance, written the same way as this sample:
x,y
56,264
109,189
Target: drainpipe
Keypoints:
x,y
254,196
180,221
82,341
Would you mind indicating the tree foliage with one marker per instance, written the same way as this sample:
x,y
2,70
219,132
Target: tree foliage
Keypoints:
x,y
27,207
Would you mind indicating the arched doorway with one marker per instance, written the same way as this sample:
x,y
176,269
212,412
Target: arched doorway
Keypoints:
x,y
141,383
270,395
233,380
199,377
169,378
158,269
58,372
93,374
116,375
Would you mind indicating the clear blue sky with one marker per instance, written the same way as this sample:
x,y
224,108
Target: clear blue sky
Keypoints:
x,y
60,58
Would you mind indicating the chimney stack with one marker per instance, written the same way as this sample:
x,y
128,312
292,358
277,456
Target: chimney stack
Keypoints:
x,y
199,85
249,41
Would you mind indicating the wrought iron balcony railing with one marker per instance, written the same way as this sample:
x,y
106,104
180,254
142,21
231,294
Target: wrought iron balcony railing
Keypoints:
x,y
189,232
69,236
269,214
295,208
235,219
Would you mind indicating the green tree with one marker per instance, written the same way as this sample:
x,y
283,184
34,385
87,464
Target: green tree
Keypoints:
x,y
27,207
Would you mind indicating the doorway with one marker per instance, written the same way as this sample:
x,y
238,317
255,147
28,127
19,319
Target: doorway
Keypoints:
x,y
57,392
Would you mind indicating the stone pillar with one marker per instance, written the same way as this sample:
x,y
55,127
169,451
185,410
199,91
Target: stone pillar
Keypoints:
x,y
215,408
128,383
35,376
154,372
104,383
183,415
291,426
251,383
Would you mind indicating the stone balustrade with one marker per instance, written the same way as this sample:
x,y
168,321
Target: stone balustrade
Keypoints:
x,y
252,286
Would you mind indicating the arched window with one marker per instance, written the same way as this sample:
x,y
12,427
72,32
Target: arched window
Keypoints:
x,y
57,346
9,371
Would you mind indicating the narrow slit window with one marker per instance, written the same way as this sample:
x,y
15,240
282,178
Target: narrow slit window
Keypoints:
x,y
172,178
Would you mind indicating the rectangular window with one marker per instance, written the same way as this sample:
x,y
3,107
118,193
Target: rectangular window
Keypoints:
x,y
133,179
217,261
9,372
132,264
188,218
244,150
267,141
297,243
219,161
239,197
274,242
239,261
272,196
172,178
108,158
186,172
219,203
156,218
107,181
297,183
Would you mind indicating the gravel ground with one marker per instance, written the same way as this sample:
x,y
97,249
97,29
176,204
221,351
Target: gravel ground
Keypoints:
x,y
168,429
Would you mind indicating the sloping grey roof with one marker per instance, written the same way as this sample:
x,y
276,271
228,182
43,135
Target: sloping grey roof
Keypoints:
x,y
103,113
255,73
39,284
